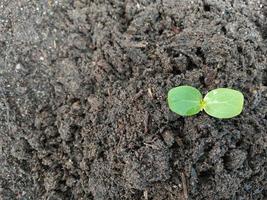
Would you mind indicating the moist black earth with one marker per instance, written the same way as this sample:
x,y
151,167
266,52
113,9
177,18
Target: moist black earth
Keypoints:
x,y
83,112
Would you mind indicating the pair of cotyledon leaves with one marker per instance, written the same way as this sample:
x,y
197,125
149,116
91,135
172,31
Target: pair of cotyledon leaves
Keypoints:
x,y
220,103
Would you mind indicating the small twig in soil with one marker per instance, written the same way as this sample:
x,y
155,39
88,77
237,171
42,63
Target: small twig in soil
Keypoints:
x,y
142,44
184,186
150,92
146,120
152,146
138,95
146,195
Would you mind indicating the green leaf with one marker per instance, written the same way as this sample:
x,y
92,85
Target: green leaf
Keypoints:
x,y
224,103
184,100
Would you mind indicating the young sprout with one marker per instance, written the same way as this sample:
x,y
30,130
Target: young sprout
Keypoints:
x,y
221,103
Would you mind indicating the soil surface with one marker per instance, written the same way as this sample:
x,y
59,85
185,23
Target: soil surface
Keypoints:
x,y
83,111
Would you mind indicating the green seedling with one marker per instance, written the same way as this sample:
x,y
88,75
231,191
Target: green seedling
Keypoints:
x,y
221,103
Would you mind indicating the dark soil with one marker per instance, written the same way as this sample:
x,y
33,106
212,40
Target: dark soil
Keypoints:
x,y
83,111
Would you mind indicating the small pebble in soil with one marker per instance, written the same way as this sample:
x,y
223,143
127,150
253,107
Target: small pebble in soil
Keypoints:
x,y
168,137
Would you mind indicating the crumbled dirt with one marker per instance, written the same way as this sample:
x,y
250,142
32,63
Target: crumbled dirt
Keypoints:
x,y
83,111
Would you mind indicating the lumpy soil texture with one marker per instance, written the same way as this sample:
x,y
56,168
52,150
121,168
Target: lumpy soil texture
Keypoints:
x,y
83,111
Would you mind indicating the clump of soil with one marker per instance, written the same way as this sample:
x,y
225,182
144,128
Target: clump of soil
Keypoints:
x,y
83,109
